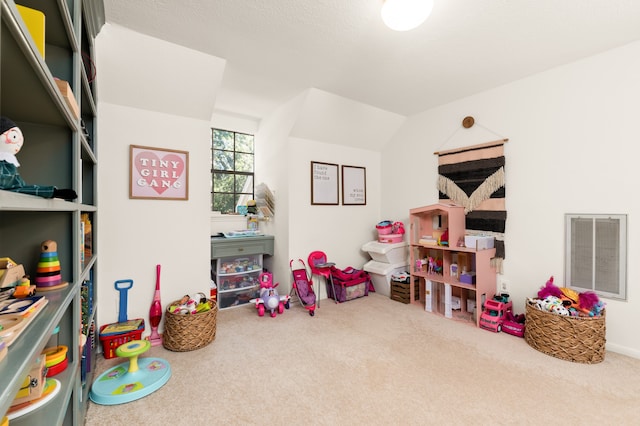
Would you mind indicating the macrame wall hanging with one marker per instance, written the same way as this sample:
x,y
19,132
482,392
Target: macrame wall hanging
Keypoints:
x,y
473,177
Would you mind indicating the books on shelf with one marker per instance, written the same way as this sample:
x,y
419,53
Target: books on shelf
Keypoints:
x,y
427,240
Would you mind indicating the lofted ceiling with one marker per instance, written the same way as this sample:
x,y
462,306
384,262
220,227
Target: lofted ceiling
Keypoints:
x,y
275,49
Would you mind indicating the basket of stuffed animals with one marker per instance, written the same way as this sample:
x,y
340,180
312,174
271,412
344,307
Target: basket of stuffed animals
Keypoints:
x,y
572,337
189,326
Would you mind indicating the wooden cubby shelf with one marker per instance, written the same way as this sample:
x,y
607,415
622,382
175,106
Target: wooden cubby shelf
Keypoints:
x,y
462,278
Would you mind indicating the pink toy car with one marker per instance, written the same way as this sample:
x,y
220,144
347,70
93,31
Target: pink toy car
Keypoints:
x,y
514,324
494,315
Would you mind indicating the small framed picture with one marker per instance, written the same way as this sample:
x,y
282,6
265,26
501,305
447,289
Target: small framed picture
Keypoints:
x,y
158,173
354,185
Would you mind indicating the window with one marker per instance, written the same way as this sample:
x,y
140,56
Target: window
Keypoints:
x,y
231,170
596,254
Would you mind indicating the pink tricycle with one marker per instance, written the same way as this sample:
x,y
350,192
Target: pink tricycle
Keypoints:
x,y
269,298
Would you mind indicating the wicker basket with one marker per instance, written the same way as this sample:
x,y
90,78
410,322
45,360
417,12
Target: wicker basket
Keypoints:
x,y
576,339
184,333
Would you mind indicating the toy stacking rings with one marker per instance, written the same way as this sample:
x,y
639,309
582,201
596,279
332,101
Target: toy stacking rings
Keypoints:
x,y
55,355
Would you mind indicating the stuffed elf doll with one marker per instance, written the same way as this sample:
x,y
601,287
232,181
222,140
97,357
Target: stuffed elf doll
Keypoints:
x,y
11,140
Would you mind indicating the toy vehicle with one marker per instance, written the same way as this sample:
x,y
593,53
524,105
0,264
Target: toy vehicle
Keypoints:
x,y
494,315
269,298
514,324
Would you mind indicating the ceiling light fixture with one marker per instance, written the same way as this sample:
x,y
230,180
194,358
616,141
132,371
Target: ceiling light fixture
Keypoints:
x,y
405,15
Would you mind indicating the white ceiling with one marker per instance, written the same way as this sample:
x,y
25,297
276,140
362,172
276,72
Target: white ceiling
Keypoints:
x,y
275,49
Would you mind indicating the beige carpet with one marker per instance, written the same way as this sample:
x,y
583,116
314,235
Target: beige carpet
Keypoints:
x,y
375,361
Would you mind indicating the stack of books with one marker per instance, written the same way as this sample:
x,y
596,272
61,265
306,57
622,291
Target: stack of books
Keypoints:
x,y
428,240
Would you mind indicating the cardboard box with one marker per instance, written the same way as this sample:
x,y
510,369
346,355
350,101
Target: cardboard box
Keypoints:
x,y
67,94
34,20
479,242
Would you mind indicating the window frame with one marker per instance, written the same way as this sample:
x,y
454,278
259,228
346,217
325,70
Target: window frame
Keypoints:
x,y
622,260
239,196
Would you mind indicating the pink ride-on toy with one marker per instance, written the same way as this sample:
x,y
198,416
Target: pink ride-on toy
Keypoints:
x,y
269,299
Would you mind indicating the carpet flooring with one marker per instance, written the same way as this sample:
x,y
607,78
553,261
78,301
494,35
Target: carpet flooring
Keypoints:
x,y
379,362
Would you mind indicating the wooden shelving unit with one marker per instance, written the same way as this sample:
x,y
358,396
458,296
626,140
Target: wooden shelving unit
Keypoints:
x,y
59,150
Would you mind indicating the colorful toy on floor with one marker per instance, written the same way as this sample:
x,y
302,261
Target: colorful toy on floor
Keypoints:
x,y
269,299
155,313
48,275
130,380
514,324
495,313
302,286
125,330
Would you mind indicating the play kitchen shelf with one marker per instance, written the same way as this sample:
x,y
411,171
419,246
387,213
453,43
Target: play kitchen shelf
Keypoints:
x,y
460,278
59,149
236,264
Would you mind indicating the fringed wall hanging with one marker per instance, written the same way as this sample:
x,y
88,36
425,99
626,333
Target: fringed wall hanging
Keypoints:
x,y
473,177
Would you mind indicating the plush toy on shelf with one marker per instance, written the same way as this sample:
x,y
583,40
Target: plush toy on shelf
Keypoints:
x,y
11,141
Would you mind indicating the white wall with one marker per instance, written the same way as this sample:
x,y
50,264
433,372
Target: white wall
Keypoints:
x,y
136,235
572,149
339,231
163,106
309,128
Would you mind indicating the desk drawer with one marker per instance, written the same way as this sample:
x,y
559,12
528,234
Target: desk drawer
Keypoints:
x,y
241,247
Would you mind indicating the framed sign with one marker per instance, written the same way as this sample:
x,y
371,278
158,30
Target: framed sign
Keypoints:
x,y
324,183
158,173
354,185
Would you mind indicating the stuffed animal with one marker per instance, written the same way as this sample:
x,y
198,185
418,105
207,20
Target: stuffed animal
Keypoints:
x,y
549,289
11,141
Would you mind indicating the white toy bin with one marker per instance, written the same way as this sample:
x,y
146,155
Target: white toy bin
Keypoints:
x,y
387,252
381,274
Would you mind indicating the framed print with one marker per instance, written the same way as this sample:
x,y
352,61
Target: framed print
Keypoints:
x,y
158,173
324,183
354,185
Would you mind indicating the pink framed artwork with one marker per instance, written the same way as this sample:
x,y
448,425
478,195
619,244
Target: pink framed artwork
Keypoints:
x,y
158,173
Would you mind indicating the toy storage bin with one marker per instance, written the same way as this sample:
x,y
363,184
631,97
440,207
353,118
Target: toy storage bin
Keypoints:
x,y
400,292
391,238
384,227
380,274
349,284
184,333
576,339
387,253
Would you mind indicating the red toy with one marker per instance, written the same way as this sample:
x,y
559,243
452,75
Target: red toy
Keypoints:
x,y
514,324
155,312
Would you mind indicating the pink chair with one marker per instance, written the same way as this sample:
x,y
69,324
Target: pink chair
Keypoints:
x,y
320,266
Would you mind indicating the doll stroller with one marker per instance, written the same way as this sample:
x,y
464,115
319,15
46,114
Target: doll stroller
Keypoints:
x,y
302,286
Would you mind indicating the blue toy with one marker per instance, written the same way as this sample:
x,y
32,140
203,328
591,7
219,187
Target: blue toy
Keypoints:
x,y
269,298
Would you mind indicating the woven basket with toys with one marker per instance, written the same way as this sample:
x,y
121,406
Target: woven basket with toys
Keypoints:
x,y
566,324
190,323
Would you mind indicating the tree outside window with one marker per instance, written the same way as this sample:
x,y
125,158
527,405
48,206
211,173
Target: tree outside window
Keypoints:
x,y
232,155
